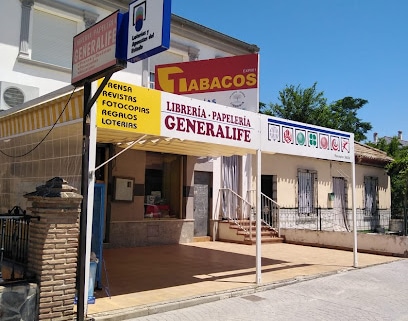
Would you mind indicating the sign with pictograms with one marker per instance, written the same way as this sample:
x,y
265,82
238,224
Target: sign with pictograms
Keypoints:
x,y
294,138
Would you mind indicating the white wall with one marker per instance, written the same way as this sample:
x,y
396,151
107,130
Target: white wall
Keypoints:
x,y
15,71
48,80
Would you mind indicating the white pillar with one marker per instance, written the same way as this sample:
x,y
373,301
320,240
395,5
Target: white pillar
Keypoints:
x,y
258,218
91,185
353,196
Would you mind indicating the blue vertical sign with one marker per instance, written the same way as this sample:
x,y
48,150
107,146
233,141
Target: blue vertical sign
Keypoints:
x,y
148,29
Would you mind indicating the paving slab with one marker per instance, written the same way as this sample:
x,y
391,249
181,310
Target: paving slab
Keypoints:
x,y
147,280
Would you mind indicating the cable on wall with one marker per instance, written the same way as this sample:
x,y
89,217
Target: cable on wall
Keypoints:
x,y
42,140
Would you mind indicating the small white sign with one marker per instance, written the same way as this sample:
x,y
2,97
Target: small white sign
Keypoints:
x,y
149,28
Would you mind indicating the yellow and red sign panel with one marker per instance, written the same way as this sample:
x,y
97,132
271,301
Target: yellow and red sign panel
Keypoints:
x,y
230,81
122,106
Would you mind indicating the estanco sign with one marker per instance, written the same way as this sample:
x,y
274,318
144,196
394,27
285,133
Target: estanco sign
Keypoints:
x,y
231,81
294,138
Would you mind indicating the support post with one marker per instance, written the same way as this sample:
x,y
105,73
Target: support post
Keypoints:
x,y
84,208
353,191
258,218
87,184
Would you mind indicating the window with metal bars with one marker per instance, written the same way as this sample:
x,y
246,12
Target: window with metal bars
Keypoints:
x,y
307,192
370,195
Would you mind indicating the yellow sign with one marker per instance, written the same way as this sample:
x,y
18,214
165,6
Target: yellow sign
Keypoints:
x,y
122,106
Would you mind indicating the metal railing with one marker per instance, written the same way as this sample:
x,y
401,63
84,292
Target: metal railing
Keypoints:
x,y
332,219
14,232
232,206
235,208
270,213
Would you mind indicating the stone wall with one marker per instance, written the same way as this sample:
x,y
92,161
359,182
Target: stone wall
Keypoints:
x,y
18,302
150,232
53,247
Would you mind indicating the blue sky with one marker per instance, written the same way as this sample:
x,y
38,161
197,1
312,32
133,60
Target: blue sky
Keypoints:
x,y
355,48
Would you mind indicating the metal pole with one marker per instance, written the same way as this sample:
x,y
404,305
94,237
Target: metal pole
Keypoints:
x,y
90,202
3,227
353,189
84,209
258,218
320,217
86,183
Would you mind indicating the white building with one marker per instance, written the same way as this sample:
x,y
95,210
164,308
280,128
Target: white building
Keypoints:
x,y
37,65
36,71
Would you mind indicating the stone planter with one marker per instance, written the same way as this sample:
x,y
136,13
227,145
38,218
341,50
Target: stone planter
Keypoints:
x,y
396,225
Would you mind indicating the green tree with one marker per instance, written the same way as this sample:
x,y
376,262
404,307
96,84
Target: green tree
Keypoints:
x,y
297,104
398,172
310,106
343,116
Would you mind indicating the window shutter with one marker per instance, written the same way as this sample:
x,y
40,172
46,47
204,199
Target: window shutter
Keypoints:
x,y
52,38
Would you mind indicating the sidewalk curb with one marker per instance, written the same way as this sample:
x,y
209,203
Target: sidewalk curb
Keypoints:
x,y
145,310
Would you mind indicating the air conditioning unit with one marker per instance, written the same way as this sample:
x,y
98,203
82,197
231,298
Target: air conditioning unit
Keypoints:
x,y
14,95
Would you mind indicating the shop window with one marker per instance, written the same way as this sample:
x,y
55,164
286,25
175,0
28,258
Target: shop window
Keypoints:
x,y
307,192
163,181
154,181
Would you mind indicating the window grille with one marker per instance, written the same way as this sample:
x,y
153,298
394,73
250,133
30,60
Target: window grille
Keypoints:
x,y
307,194
370,195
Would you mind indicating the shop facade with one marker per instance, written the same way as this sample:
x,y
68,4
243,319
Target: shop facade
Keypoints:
x,y
161,183
169,179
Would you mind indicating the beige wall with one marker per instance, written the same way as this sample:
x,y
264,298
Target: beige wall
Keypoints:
x,y
374,243
130,164
285,167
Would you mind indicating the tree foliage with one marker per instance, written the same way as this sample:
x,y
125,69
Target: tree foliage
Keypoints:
x,y
309,105
297,104
398,172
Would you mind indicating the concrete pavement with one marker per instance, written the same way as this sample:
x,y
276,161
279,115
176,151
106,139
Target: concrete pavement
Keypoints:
x,y
373,293
156,279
